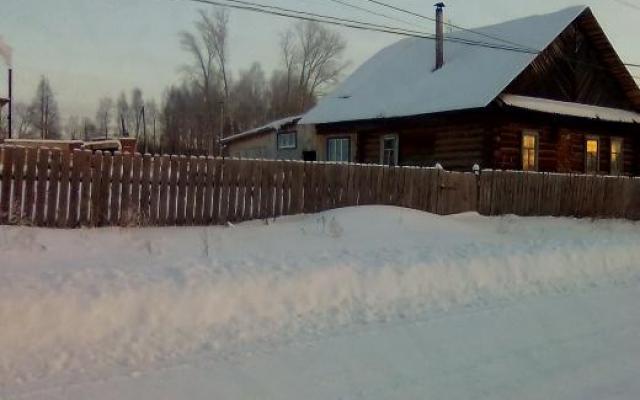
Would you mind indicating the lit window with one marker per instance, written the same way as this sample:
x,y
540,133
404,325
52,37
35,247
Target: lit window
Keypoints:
x,y
592,159
616,156
530,151
338,149
287,140
389,150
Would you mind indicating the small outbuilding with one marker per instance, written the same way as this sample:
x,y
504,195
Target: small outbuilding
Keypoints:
x,y
281,140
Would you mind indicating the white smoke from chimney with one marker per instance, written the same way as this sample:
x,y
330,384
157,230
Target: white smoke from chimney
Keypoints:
x,y
5,51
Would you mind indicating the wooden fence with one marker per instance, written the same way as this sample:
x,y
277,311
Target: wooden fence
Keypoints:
x,y
47,187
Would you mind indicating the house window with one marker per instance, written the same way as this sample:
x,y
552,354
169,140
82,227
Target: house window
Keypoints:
x,y
287,140
530,151
339,149
389,150
592,161
616,156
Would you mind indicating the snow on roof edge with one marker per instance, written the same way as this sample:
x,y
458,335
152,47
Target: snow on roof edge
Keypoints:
x,y
273,125
570,109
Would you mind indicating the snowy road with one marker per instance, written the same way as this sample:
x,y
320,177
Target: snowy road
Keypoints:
x,y
582,346
370,303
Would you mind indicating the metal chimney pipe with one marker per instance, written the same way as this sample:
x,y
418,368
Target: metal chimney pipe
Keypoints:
x,y
439,35
10,101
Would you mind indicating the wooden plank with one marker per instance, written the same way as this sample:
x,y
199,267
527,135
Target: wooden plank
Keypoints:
x,y
18,182
96,187
298,188
74,188
174,165
135,211
5,187
191,190
217,192
256,182
105,190
208,190
125,204
52,188
116,190
63,191
278,190
285,171
41,188
244,189
85,194
163,187
306,189
154,189
183,181
30,181
253,196
145,189
223,190
231,180
216,182
200,190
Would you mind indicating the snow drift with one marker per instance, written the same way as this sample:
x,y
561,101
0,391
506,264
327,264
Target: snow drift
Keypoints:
x,y
77,302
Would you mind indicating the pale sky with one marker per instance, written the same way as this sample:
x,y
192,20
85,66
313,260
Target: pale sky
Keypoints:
x,y
94,48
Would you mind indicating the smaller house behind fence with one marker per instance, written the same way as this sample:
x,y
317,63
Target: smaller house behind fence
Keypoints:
x,y
283,139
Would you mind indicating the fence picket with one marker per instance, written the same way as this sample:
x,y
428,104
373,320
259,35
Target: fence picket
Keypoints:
x,y
125,202
116,182
30,180
5,187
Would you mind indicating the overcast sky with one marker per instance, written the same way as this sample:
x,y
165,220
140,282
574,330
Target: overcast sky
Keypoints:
x,y
94,48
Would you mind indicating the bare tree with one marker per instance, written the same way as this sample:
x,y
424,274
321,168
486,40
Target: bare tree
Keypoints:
x,y
22,120
73,127
104,115
313,53
44,111
151,114
249,98
209,48
89,129
122,114
135,111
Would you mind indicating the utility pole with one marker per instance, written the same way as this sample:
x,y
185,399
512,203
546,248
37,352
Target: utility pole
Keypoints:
x,y
144,130
221,134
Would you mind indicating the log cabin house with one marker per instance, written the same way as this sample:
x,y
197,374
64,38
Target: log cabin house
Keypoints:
x,y
562,101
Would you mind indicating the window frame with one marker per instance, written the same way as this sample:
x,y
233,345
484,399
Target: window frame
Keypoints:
x,y
620,161
294,134
536,135
396,147
586,154
328,148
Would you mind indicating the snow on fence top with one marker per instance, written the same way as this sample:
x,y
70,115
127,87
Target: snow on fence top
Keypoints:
x,y
399,80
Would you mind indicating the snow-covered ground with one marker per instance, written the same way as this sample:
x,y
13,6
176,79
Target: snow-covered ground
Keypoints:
x,y
357,303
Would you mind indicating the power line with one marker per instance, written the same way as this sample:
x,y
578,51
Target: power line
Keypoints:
x,y
369,11
415,14
367,26
349,23
628,4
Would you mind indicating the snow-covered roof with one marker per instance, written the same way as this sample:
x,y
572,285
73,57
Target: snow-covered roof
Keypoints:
x,y
271,126
570,109
400,81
